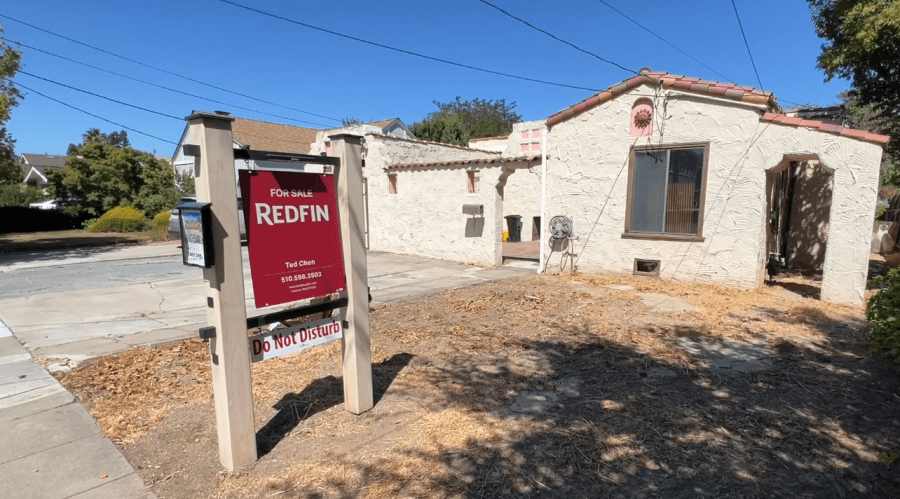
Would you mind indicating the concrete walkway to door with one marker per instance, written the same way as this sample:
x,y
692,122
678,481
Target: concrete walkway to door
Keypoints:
x,y
526,250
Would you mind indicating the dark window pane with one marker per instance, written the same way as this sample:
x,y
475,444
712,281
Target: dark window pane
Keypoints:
x,y
683,196
648,195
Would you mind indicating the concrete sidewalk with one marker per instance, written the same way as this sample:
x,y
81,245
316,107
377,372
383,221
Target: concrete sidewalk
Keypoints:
x,y
52,448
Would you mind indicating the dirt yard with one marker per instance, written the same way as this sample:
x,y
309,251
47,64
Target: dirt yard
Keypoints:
x,y
554,386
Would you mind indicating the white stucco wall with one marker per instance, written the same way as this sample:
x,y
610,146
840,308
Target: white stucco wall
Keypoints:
x,y
496,144
588,167
525,139
425,216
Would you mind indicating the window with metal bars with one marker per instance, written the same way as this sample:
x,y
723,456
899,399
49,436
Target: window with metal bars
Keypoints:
x,y
666,191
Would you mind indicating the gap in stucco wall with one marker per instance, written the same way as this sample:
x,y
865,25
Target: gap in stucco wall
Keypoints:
x,y
799,197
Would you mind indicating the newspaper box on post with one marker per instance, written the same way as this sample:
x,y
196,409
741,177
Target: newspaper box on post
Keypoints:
x,y
293,234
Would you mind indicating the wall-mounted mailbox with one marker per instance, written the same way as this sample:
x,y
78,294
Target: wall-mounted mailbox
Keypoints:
x,y
196,233
473,209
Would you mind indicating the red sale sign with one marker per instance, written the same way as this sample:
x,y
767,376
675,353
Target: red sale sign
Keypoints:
x,y
293,235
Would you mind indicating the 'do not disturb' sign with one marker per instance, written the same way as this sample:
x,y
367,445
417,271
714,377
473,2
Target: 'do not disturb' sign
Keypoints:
x,y
293,235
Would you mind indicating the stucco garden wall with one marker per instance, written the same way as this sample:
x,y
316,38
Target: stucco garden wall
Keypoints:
x,y
588,168
425,216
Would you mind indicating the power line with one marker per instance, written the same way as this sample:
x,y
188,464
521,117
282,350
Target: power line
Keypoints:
x,y
648,30
747,44
407,52
166,71
161,86
551,35
100,96
91,114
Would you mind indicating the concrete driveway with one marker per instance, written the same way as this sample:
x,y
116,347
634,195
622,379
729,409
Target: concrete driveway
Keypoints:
x,y
79,305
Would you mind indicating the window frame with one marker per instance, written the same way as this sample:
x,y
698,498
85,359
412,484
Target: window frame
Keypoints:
x,y
392,184
663,236
473,179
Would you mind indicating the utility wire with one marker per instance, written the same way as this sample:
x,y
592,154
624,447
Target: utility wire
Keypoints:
x,y
100,96
747,44
667,42
166,71
407,52
161,86
551,35
90,114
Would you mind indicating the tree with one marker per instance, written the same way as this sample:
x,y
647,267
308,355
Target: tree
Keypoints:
x,y
345,122
9,98
20,194
186,184
863,46
105,177
457,122
94,135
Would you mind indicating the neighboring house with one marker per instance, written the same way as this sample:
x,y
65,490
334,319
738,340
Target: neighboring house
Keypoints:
x,y
833,115
393,127
35,165
689,180
252,134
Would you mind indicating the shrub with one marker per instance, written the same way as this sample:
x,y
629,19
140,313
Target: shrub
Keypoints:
x,y
883,311
121,219
20,195
87,224
161,220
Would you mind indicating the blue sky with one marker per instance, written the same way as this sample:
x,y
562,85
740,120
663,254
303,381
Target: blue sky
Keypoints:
x,y
326,75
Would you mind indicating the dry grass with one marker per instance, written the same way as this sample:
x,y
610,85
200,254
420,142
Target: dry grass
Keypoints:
x,y
453,365
131,392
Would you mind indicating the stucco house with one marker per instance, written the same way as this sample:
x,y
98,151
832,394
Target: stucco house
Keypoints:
x,y
685,179
663,175
34,165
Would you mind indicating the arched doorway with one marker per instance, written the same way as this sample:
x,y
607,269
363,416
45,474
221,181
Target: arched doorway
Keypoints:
x,y
798,206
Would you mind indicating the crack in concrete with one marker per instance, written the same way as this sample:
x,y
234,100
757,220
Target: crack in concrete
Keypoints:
x,y
162,298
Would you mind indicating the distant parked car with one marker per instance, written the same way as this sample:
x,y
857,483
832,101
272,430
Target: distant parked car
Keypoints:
x,y
50,204
175,225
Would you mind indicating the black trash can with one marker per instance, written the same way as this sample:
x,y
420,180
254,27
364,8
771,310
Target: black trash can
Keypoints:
x,y
514,225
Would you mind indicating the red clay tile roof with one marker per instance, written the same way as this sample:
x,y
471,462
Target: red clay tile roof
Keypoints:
x,y
715,89
265,136
665,80
465,162
825,127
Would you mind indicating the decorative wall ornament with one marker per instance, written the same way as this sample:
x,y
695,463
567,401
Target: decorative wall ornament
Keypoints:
x,y
643,118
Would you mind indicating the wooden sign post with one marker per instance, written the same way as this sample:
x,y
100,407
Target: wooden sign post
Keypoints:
x,y
224,286
357,352
214,160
